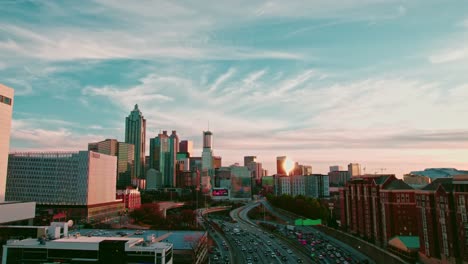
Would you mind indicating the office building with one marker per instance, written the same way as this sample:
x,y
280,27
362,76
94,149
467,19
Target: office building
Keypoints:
x,y
282,184
241,183
10,212
160,157
354,169
217,162
280,169
6,111
207,154
249,159
338,178
81,183
298,185
170,179
125,154
153,179
336,168
186,146
135,133
317,185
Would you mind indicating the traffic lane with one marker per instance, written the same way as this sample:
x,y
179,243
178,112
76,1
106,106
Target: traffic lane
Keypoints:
x,y
280,244
356,255
276,244
243,241
248,229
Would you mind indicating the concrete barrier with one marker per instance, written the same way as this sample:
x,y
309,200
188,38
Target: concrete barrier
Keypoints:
x,y
372,251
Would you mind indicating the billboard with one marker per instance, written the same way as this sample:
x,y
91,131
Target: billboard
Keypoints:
x,y
223,192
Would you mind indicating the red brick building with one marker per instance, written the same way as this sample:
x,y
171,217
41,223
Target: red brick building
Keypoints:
x,y
442,220
460,192
378,207
131,198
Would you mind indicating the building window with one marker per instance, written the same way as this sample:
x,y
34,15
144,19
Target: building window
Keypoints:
x,y
5,100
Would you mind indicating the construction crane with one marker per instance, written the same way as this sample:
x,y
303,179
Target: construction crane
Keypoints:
x,y
381,170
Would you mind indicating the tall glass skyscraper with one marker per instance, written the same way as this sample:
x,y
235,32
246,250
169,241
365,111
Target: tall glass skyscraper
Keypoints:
x,y
173,149
135,133
159,156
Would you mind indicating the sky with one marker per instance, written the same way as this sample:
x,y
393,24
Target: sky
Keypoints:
x,y
380,83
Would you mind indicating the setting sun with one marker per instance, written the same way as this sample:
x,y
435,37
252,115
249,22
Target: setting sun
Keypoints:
x,y
288,165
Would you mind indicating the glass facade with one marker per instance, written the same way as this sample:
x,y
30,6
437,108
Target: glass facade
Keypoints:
x,y
135,133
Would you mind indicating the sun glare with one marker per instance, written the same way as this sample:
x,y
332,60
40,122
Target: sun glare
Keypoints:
x,y
288,165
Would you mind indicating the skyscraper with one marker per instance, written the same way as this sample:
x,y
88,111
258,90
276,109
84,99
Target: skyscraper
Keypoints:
x,y
135,133
159,156
207,154
6,109
354,169
173,149
280,165
249,159
125,154
186,146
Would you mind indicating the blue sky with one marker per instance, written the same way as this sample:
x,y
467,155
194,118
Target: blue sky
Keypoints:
x,y
381,83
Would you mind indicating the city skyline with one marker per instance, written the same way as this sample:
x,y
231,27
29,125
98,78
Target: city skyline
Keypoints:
x,y
324,83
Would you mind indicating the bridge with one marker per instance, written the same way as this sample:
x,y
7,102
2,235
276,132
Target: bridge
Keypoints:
x,y
164,206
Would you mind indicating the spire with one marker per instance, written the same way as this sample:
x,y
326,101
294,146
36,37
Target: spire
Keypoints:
x,y
136,107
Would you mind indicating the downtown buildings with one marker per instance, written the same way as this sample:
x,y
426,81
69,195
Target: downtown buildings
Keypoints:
x,y
125,154
13,212
135,133
163,159
81,184
314,185
382,208
6,111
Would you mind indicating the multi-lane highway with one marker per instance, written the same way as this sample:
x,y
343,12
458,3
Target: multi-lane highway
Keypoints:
x,y
240,240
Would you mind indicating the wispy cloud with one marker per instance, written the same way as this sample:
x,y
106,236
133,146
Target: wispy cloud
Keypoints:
x,y
455,54
221,79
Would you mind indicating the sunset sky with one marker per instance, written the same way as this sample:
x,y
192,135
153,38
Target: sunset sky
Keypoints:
x,y
381,83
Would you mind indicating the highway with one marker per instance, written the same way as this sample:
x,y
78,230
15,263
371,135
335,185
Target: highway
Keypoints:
x,y
325,249
253,245
242,241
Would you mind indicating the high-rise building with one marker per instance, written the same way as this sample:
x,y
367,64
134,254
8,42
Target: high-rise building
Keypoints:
x,y
207,154
135,133
354,169
173,149
336,168
241,183
280,165
207,172
10,212
160,157
186,146
125,154
83,183
217,162
338,178
6,110
312,185
249,159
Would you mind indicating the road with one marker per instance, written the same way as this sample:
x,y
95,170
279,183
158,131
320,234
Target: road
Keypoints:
x,y
254,245
325,249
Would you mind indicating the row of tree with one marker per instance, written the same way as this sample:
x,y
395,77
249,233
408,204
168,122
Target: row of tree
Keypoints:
x,y
301,205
